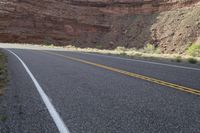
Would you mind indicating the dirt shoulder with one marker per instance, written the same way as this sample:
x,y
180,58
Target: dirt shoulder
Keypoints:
x,y
3,81
3,72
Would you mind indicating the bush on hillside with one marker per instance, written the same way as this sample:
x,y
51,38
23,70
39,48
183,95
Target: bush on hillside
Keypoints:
x,y
192,61
194,50
151,49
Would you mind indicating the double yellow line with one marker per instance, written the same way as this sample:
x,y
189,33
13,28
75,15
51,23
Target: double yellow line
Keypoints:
x,y
135,75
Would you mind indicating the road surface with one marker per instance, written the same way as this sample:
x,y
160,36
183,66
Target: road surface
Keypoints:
x,y
100,94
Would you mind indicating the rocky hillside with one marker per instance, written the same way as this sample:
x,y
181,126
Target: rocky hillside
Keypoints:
x,y
170,24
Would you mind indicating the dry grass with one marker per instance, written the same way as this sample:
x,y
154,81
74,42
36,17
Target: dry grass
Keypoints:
x,y
133,53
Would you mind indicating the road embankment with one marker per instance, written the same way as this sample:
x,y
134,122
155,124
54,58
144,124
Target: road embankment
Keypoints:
x,y
3,72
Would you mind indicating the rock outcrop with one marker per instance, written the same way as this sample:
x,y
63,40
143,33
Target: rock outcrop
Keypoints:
x,y
99,23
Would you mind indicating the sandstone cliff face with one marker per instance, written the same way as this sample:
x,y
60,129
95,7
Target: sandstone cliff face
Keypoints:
x,y
98,23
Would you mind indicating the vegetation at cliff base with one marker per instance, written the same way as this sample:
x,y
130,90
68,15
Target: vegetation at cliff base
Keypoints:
x,y
194,50
192,61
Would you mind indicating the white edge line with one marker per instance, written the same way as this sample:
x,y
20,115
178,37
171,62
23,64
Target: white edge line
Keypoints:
x,y
150,62
54,114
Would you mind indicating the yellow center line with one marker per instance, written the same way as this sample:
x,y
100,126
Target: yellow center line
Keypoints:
x,y
135,75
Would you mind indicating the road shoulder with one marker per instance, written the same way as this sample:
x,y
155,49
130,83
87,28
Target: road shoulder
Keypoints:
x,y
21,106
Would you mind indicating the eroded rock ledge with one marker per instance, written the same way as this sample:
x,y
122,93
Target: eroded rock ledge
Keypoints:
x,y
93,23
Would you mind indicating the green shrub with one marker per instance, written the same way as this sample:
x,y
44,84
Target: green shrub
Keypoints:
x,y
123,54
178,59
151,49
192,60
157,51
194,50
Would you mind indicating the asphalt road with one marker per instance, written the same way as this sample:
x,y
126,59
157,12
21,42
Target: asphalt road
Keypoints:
x,y
92,99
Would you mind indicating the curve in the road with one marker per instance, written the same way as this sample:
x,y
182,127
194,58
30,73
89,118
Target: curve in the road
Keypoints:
x,y
54,114
135,75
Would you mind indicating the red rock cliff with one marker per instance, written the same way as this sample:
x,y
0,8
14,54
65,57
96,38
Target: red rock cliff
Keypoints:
x,y
94,23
